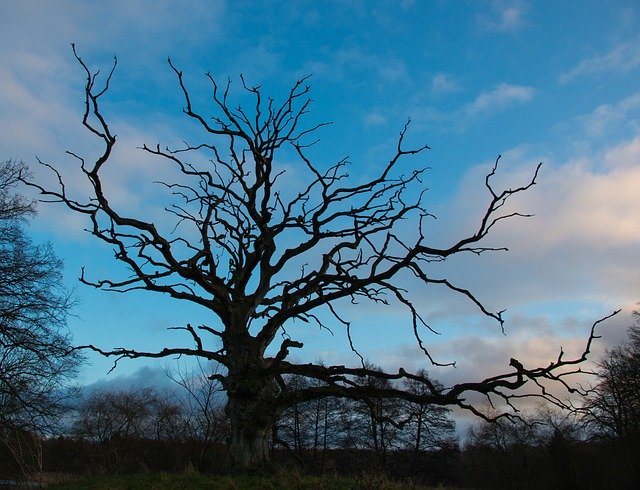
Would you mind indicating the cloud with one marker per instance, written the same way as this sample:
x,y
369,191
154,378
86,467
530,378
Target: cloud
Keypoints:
x,y
348,61
625,155
374,119
580,247
620,59
533,340
142,377
498,98
606,117
487,103
443,83
505,16
581,204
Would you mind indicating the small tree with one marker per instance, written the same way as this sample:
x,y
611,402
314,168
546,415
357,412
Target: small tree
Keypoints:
x,y
258,255
35,359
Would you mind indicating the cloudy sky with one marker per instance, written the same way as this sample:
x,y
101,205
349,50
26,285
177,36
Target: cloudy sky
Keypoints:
x,y
551,82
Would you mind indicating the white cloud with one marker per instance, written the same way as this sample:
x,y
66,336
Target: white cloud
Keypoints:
x,y
534,341
620,59
505,16
580,246
606,117
444,83
374,119
486,104
498,98
624,155
579,205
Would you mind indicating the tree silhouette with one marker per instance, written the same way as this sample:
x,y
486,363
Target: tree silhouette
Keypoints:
x,y
259,255
36,362
612,408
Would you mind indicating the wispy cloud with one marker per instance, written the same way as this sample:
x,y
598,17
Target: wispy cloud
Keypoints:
x,y
374,119
620,59
498,98
505,16
444,83
487,103
607,117
345,62
624,155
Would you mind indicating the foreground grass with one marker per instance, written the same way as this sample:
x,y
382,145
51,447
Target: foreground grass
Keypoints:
x,y
194,480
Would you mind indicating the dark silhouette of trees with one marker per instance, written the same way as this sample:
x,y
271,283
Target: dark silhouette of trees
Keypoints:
x,y
202,402
380,435
548,448
311,429
430,426
36,364
612,409
259,255
116,423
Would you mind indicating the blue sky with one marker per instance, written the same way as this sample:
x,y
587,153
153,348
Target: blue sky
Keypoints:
x,y
556,82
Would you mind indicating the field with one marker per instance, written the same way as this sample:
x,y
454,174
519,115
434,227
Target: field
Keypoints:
x,y
194,480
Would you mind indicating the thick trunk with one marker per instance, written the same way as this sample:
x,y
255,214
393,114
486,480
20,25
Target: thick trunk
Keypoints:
x,y
249,450
251,421
252,408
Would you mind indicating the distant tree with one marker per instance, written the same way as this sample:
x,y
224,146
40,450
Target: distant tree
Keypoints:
x,y
116,414
374,424
36,365
506,434
202,401
498,454
311,428
259,254
114,421
612,409
430,426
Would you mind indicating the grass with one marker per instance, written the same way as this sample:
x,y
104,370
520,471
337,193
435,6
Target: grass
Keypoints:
x,y
193,480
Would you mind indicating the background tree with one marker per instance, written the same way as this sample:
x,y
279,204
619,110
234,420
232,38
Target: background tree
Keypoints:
x,y
35,360
202,401
259,255
310,429
373,425
118,422
612,410
430,426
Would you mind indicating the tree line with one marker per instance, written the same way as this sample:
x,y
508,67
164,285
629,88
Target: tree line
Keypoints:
x,y
138,429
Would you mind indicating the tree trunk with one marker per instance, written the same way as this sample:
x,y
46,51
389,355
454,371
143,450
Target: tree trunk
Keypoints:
x,y
252,408
250,430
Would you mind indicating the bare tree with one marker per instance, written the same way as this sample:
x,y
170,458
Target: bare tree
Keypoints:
x,y
121,414
430,426
36,359
612,409
202,404
115,420
259,256
311,428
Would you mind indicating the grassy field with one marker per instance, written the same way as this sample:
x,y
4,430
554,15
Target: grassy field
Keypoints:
x,y
194,480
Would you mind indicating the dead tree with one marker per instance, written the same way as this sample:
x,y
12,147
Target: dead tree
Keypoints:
x,y
259,257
